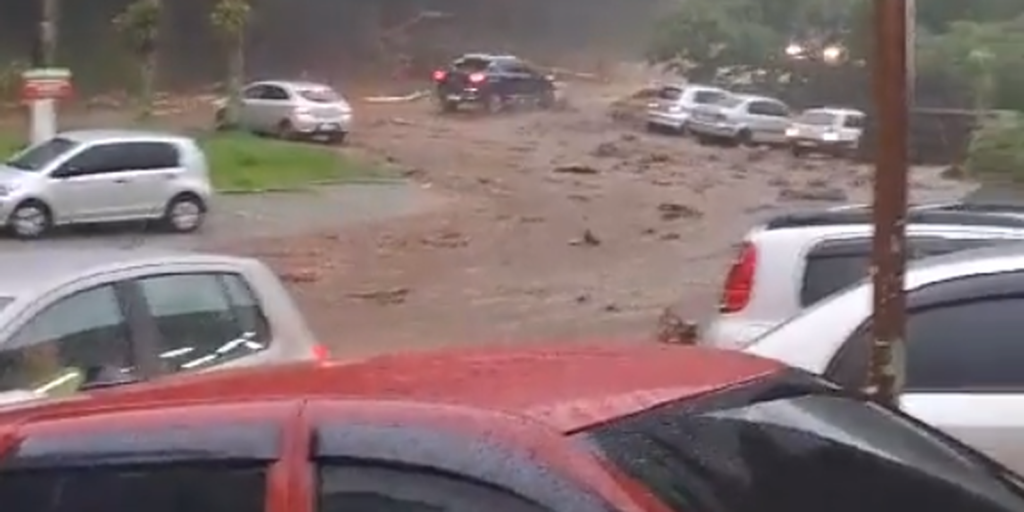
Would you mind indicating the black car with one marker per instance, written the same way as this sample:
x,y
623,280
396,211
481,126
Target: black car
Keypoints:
x,y
492,81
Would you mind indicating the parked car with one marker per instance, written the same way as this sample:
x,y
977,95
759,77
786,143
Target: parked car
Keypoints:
x,y
80,319
963,349
793,261
291,110
741,119
94,176
528,430
831,131
674,104
492,81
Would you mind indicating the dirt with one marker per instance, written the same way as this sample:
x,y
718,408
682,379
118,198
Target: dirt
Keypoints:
x,y
562,225
573,224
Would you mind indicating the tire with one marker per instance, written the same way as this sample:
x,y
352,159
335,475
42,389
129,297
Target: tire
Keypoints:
x,y
184,207
285,130
30,220
704,140
744,138
547,100
337,138
797,151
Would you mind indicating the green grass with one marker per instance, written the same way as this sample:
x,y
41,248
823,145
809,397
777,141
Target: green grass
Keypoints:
x,y
241,162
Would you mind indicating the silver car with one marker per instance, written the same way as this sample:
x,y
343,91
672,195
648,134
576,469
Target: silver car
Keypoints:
x,y
73,320
94,176
674,104
292,110
830,131
963,346
741,119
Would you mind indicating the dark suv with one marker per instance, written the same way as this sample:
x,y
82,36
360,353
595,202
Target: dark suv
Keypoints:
x,y
492,81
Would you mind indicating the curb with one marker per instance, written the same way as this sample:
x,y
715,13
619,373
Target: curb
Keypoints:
x,y
312,186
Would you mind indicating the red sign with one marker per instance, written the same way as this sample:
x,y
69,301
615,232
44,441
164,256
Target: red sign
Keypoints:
x,y
43,89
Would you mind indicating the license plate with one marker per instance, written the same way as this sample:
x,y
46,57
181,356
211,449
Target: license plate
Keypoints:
x,y
454,97
329,127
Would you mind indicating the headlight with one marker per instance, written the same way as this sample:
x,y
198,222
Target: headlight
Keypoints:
x,y
830,137
675,109
791,132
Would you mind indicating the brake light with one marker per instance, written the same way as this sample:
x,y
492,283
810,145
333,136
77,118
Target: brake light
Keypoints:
x,y
477,78
739,282
321,353
439,75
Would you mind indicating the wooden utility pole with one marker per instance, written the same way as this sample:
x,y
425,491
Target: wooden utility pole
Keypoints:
x,y
892,85
48,34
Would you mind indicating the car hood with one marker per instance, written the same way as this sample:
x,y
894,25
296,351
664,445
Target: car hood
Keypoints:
x,y
10,174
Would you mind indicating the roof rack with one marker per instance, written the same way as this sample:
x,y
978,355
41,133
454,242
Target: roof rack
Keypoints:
x,y
951,214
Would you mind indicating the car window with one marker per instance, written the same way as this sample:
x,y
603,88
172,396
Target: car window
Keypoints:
x,y
670,93
100,159
149,155
780,444
472,64
37,157
349,488
276,93
55,350
767,108
854,121
967,346
199,488
704,97
254,92
319,94
817,118
204,319
833,266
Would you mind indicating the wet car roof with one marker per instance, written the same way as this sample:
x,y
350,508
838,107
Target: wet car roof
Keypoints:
x,y
567,387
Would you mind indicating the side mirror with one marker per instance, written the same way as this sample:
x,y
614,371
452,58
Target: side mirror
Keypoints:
x,y
106,376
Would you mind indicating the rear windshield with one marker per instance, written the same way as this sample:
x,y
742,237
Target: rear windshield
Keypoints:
x,y
37,157
817,118
319,95
670,93
472,64
792,443
833,266
705,97
854,121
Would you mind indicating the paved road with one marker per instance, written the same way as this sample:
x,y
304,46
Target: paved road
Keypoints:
x,y
262,215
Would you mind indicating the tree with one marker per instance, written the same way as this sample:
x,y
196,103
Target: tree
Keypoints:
x,y
230,18
139,25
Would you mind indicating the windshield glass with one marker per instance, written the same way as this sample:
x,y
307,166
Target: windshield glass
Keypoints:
x,y
705,97
320,95
793,443
38,157
729,101
817,118
670,93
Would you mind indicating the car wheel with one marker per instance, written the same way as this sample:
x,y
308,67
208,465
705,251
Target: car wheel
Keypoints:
x,y
184,213
31,219
337,138
704,140
744,138
797,151
285,130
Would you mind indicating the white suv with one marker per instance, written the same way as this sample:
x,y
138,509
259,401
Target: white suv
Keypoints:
x,y
794,261
831,131
94,176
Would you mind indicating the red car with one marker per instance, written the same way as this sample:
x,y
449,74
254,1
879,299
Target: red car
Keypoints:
x,y
580,429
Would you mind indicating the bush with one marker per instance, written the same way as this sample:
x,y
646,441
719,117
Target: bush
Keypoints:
x,y
997,149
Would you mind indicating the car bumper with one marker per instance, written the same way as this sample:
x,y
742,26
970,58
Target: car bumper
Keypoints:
x,y
830,146
713,129
731,333
667,119
340,124
469,94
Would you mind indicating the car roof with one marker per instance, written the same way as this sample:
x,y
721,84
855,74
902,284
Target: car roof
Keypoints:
x,y
835,110
292,84
566,387
104,135
756,97
23,271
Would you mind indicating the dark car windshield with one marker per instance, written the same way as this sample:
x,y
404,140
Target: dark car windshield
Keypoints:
x,y
472,64
37,157
670,93
793,443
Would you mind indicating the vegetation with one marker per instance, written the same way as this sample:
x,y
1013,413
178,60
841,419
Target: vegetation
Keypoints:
x,y
231,18
242,162
997,150
139,26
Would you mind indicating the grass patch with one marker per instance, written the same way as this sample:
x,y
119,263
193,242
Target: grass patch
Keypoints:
x,y
243,162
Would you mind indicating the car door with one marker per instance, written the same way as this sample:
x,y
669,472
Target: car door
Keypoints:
x,y
275,106
154,167
116,464
963,362
252,97
204,319
768,121
92,185
65,339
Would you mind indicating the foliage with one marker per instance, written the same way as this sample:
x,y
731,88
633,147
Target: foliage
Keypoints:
x,y
231,18
10,80
139,25
997,149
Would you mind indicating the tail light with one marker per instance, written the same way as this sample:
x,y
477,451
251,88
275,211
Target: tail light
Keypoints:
x,y
439,75
477,78
321,353
739,282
